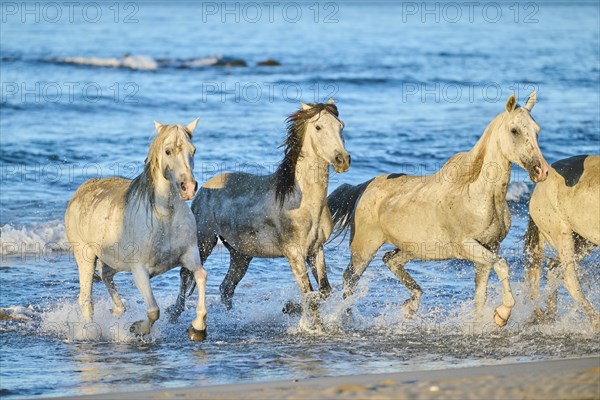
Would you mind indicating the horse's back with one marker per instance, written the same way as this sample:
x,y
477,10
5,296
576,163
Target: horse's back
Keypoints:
x,y
96,202
232,204
580,201
570,196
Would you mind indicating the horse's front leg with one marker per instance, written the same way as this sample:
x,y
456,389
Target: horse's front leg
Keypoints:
x,y
297,258
477,253
317,264
141,278
191,262
186,278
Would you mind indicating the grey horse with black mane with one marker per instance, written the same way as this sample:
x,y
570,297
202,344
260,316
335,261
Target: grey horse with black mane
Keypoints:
x,y
284,214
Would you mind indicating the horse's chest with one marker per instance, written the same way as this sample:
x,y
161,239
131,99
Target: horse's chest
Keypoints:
x,y
313,231
167,249
494,223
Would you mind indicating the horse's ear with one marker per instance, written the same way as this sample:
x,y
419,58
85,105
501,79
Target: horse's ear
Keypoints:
x,y
157,125
531,101
330,101
511,103
304,106
192,125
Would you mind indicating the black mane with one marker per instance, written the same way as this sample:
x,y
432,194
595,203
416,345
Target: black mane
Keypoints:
x,y
285,175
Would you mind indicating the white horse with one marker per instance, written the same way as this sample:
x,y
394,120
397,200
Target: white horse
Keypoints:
x,y
459,212
280,215
564,211
142,226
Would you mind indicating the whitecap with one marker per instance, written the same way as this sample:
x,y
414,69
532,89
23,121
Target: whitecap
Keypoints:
x,y
39,238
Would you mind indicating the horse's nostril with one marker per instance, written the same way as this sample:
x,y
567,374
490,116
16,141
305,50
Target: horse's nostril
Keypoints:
x,y
182,186
339,159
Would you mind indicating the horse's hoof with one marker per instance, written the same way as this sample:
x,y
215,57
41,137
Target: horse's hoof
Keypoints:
x,y
137,329
409,309
500,322
540,316
227,302
117,312
195,335
174,312
325,292
292,308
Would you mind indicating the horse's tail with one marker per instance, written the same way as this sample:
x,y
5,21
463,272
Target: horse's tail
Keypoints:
x,y
342,203
534,256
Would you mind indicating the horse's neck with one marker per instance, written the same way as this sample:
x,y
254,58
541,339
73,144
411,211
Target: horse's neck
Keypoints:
x,y
494,174
164,197
312,175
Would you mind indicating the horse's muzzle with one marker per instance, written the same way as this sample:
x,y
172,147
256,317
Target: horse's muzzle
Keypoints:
x,y
538,171
187,190
342,162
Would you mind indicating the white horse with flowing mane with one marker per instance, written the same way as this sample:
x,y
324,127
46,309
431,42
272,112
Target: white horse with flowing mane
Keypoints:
x,y
564,211
459,212
142,226
280,215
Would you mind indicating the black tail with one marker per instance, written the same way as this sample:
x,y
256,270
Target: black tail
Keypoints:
x,y
533,247
342,203
534,257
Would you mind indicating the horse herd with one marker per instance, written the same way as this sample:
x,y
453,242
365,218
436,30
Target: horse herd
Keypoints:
x,y
144,225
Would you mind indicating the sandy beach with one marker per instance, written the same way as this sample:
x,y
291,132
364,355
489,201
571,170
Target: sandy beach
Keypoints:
x,y
560,379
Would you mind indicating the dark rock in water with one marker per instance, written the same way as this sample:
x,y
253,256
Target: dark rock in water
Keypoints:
x,y
230,62
11,315
4,316
269,62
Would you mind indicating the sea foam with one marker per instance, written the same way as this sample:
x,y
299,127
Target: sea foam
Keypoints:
x,y
33,239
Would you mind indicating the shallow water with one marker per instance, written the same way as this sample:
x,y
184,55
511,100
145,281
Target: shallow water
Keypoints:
x,y
411,94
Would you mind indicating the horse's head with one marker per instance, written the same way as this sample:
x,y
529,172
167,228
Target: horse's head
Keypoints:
x,y
175,157
324,134
519,138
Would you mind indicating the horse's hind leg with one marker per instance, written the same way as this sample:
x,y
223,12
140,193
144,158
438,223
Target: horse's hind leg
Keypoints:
x,y
107,274
141,278
482,275
566,251
238,266
363,249
86,265
395,261
206,244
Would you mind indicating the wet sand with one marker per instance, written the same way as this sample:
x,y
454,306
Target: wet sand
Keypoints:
x,y
559,379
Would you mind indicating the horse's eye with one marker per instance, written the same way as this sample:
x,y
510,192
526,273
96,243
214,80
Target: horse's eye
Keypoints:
x,y
318,127
514,131
168,152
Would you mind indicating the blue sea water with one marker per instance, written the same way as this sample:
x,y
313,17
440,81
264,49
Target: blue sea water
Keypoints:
x,y
414,83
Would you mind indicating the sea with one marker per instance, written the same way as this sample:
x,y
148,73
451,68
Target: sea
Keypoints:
x,y
414,82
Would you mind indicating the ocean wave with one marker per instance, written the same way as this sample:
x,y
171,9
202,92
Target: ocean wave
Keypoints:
x,y
127,61
518,192
147,63
37,238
